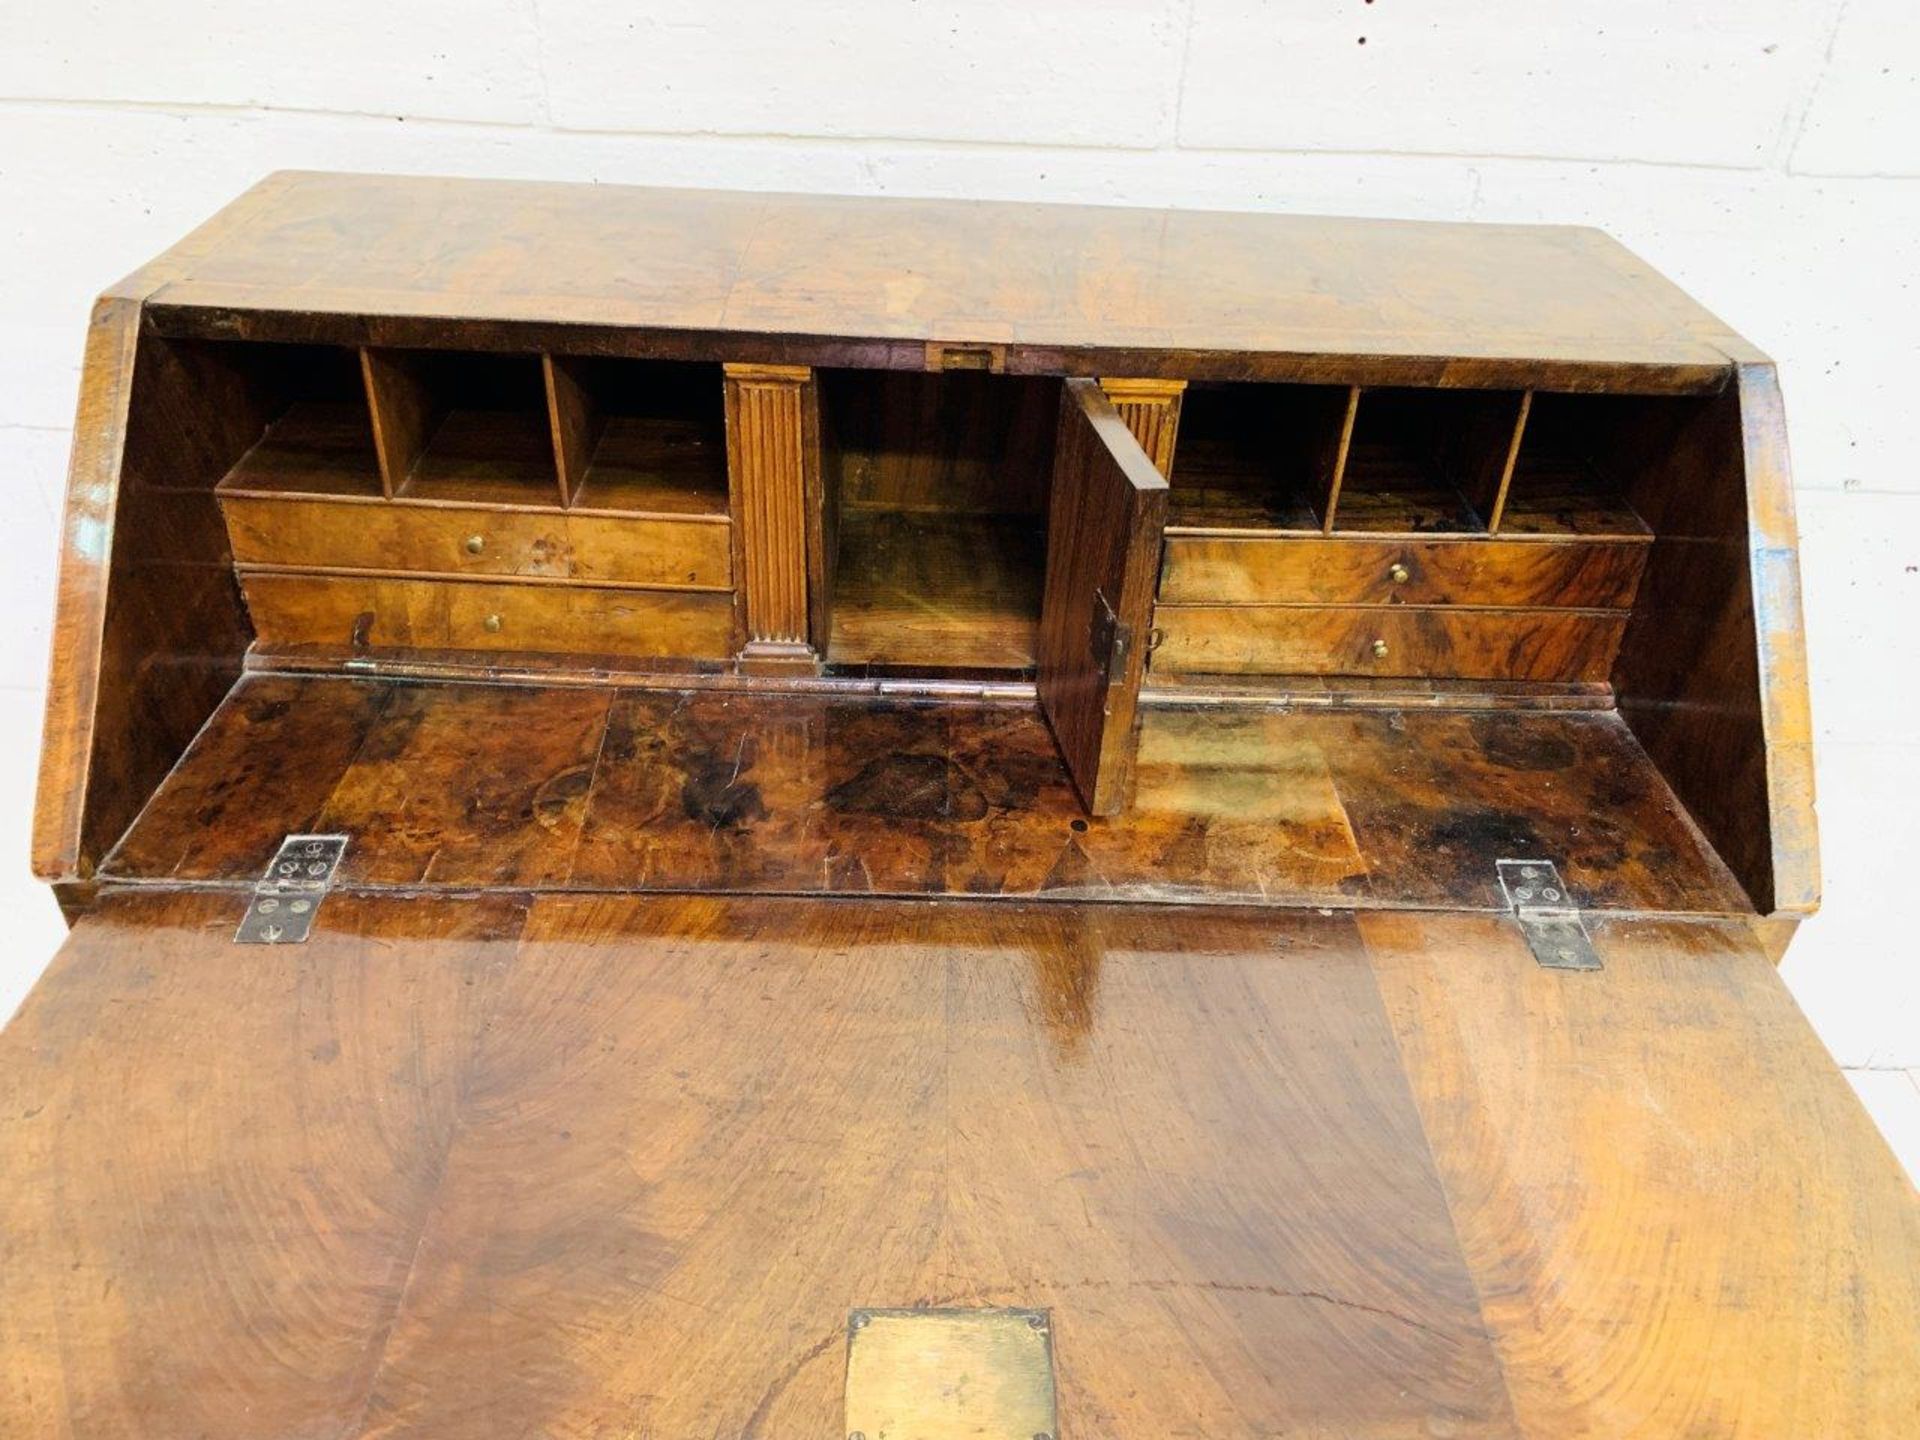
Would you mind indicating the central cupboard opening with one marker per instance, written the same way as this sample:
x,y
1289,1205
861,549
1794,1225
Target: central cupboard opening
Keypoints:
x,y
936,492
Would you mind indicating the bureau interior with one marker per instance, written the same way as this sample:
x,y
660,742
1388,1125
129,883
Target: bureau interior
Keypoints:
x,y
1335,459
290,420
1256,457
639,436
389,502
521,431
935,517
433,514
1431,534
467,429
1424,462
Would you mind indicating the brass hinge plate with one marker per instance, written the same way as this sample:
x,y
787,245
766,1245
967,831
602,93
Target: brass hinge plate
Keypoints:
x,y
1548,918
286,898
950,1375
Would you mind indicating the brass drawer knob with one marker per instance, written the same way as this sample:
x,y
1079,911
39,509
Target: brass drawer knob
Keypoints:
x,y
491,624
1398,573
1379,648
476,543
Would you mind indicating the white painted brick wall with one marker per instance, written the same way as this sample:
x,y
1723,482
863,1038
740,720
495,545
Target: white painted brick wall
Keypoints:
x,y
1767,156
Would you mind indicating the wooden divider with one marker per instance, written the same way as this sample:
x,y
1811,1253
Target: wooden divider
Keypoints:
x,y
409,401
1334,448
1465,441
1491,446
402,411
576,421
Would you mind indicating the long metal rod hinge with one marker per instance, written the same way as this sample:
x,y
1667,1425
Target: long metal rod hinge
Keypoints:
x,y
1548,918
288,896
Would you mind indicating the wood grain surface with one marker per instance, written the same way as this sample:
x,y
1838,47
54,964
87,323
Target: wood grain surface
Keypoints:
x,y
1712,672
1108,508
372,613
608,1165
937,589
1069,289
149,628
319,535
1299,570
1680,1220
1435,641
571,787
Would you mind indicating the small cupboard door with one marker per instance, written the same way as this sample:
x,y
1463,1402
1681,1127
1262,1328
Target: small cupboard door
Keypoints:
x,y
1104,527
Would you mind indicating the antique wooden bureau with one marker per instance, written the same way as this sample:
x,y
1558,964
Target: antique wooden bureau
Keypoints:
x,y
715,815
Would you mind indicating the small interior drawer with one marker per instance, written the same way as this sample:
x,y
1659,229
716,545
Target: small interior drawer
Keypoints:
x,y
1305,570
462,540
356,613
1388,640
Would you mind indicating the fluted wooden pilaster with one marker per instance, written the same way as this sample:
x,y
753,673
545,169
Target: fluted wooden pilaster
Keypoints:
x,y
1151,410
773,457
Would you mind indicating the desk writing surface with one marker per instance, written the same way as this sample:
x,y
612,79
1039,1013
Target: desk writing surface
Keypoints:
x,y
502,1165
1049,276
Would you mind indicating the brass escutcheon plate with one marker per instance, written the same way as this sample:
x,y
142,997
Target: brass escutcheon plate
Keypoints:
x,y
950,1375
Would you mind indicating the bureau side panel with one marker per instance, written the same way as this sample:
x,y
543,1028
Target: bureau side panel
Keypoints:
x,y
1712,670
149,629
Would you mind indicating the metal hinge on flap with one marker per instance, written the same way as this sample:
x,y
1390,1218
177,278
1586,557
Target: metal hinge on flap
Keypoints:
x,y
1548,918
1108,640
287,897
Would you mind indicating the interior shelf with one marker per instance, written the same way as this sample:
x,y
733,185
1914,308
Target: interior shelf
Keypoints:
x,y
463,428
635,436
318,438
502,431
932,588
315,448
1570,499
1392,488
1335,458
1256,457
1572,474
481,457
1427,462
937,489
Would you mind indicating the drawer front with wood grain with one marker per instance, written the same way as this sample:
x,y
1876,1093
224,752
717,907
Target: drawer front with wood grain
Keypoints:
x,y
448,540
1441,642
338,612
1306,570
